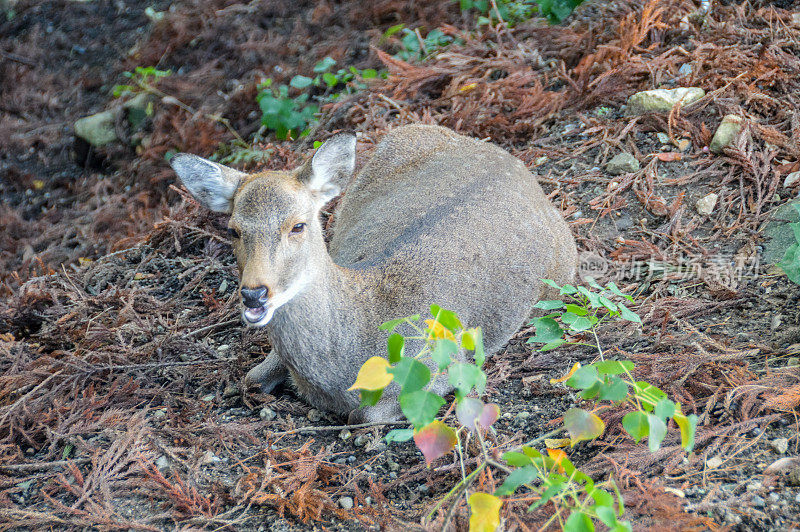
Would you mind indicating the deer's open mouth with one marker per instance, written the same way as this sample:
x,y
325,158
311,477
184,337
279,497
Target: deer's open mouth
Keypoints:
x,y
258,316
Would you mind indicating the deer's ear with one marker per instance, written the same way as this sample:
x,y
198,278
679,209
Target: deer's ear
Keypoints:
x,y
331,166
212,184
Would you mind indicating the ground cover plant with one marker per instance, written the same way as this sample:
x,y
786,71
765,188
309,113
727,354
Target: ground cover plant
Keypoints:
x,y
121,355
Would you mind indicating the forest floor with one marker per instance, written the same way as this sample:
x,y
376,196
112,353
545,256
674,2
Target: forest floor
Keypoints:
x,y
121,351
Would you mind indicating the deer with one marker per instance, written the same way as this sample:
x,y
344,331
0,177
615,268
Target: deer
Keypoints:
x,y
432,217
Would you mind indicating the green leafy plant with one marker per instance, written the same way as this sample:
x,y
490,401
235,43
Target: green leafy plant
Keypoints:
x,y
142,79
791,259
289,110
414,47
512,12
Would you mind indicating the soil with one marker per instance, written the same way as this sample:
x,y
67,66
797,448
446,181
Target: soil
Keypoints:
x,y
121,396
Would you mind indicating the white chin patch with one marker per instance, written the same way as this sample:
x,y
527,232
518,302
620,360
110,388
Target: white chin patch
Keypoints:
x,y
258,317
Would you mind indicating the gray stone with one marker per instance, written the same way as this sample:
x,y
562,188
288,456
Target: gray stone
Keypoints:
x,y
706,204
97,129
345,435
758,502
208,397
779,233
162,462
726,133
423,488
662,100
791,179
314,415
267,414
714,462
622,163
346,503
231,390
779,445
685,70
360,440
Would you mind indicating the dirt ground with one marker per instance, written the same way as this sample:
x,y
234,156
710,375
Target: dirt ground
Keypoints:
x,y
121,351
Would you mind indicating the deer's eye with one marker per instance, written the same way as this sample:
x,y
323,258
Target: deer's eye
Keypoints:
x,y
298,228
233,233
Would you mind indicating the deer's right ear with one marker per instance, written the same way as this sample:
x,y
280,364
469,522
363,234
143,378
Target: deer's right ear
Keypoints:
x,y
212,184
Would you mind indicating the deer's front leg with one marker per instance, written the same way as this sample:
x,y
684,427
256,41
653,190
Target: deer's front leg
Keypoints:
x,y
268,374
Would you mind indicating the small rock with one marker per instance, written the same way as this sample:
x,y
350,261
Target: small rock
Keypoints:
x,y
367,500
758,502
162,462
314,415
393,466
797,498
796,21
663,138
523,415
714,463
753,486
209,458
685,70
351,459
774,497
706,204
423,488
539,161
730,126
223,287
208,397
223,348
346,503
622,163
791,179
676,492
97,129
662,100
684,145
345,434
360,440
160,413
780,445
231,390
267,414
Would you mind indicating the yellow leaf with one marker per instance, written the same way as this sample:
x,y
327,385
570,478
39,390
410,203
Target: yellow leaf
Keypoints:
x,y
83,261
373,375
556,443
439,331
566,377
468,87
38,184
557,455
485,515
467,340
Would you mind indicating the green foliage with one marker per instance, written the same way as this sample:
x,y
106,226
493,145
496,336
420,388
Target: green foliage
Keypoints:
x,y
791,259
238,153
512,12
414,47
142,79
289,110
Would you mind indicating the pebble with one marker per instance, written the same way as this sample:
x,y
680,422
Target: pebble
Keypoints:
x,y
714,463
162,462
231,390
706,204
360,440
758,502
797,498
346,502
753,486
351,459
367,500
423,488
622,163
726,133
222,348
791,179
160,413
267,414
780,445
663,138
345,434
208,397
314,415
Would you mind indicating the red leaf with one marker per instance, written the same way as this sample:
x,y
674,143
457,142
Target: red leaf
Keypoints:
x,y
435,440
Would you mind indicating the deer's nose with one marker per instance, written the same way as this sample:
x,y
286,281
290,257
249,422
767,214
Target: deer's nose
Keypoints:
x,y
255,297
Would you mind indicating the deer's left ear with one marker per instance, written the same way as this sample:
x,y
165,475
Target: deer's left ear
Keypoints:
x,y
331,166
212,184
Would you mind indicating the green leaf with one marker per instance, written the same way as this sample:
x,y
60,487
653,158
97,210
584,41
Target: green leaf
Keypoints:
x,y
549,304
463,377
649,392
435,440
420,407
553,489
582,425
301,82
399,435
569,318
330,79
583,378
635,424
576,309
578,522
627,314
369,73
479,355
581,324
448,318
613,389
547,330
606,514
410,374
688,426
518,477
549,346
602,498
610,305
658,431
568,289
516,459
664,409
442,352
551,283
591,392
370,397
395,346
391,324
324,64
614,367
612,286
591,282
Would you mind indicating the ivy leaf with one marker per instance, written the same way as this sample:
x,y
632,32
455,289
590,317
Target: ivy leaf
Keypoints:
x,y
472,412
301,82
410,374
485,512
399,435
370,397
395,346
658,431
515,479
576,309
614,389
582,425
614,367
442,352
636,424
583,378
516,459
435,440
547,330
420,407
578,522
628,314
581,324
464,376
372,375
549,304
448,318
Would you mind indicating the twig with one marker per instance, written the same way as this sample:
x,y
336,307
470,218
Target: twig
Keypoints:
x,y
339,427
18,58
212,326
24,468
